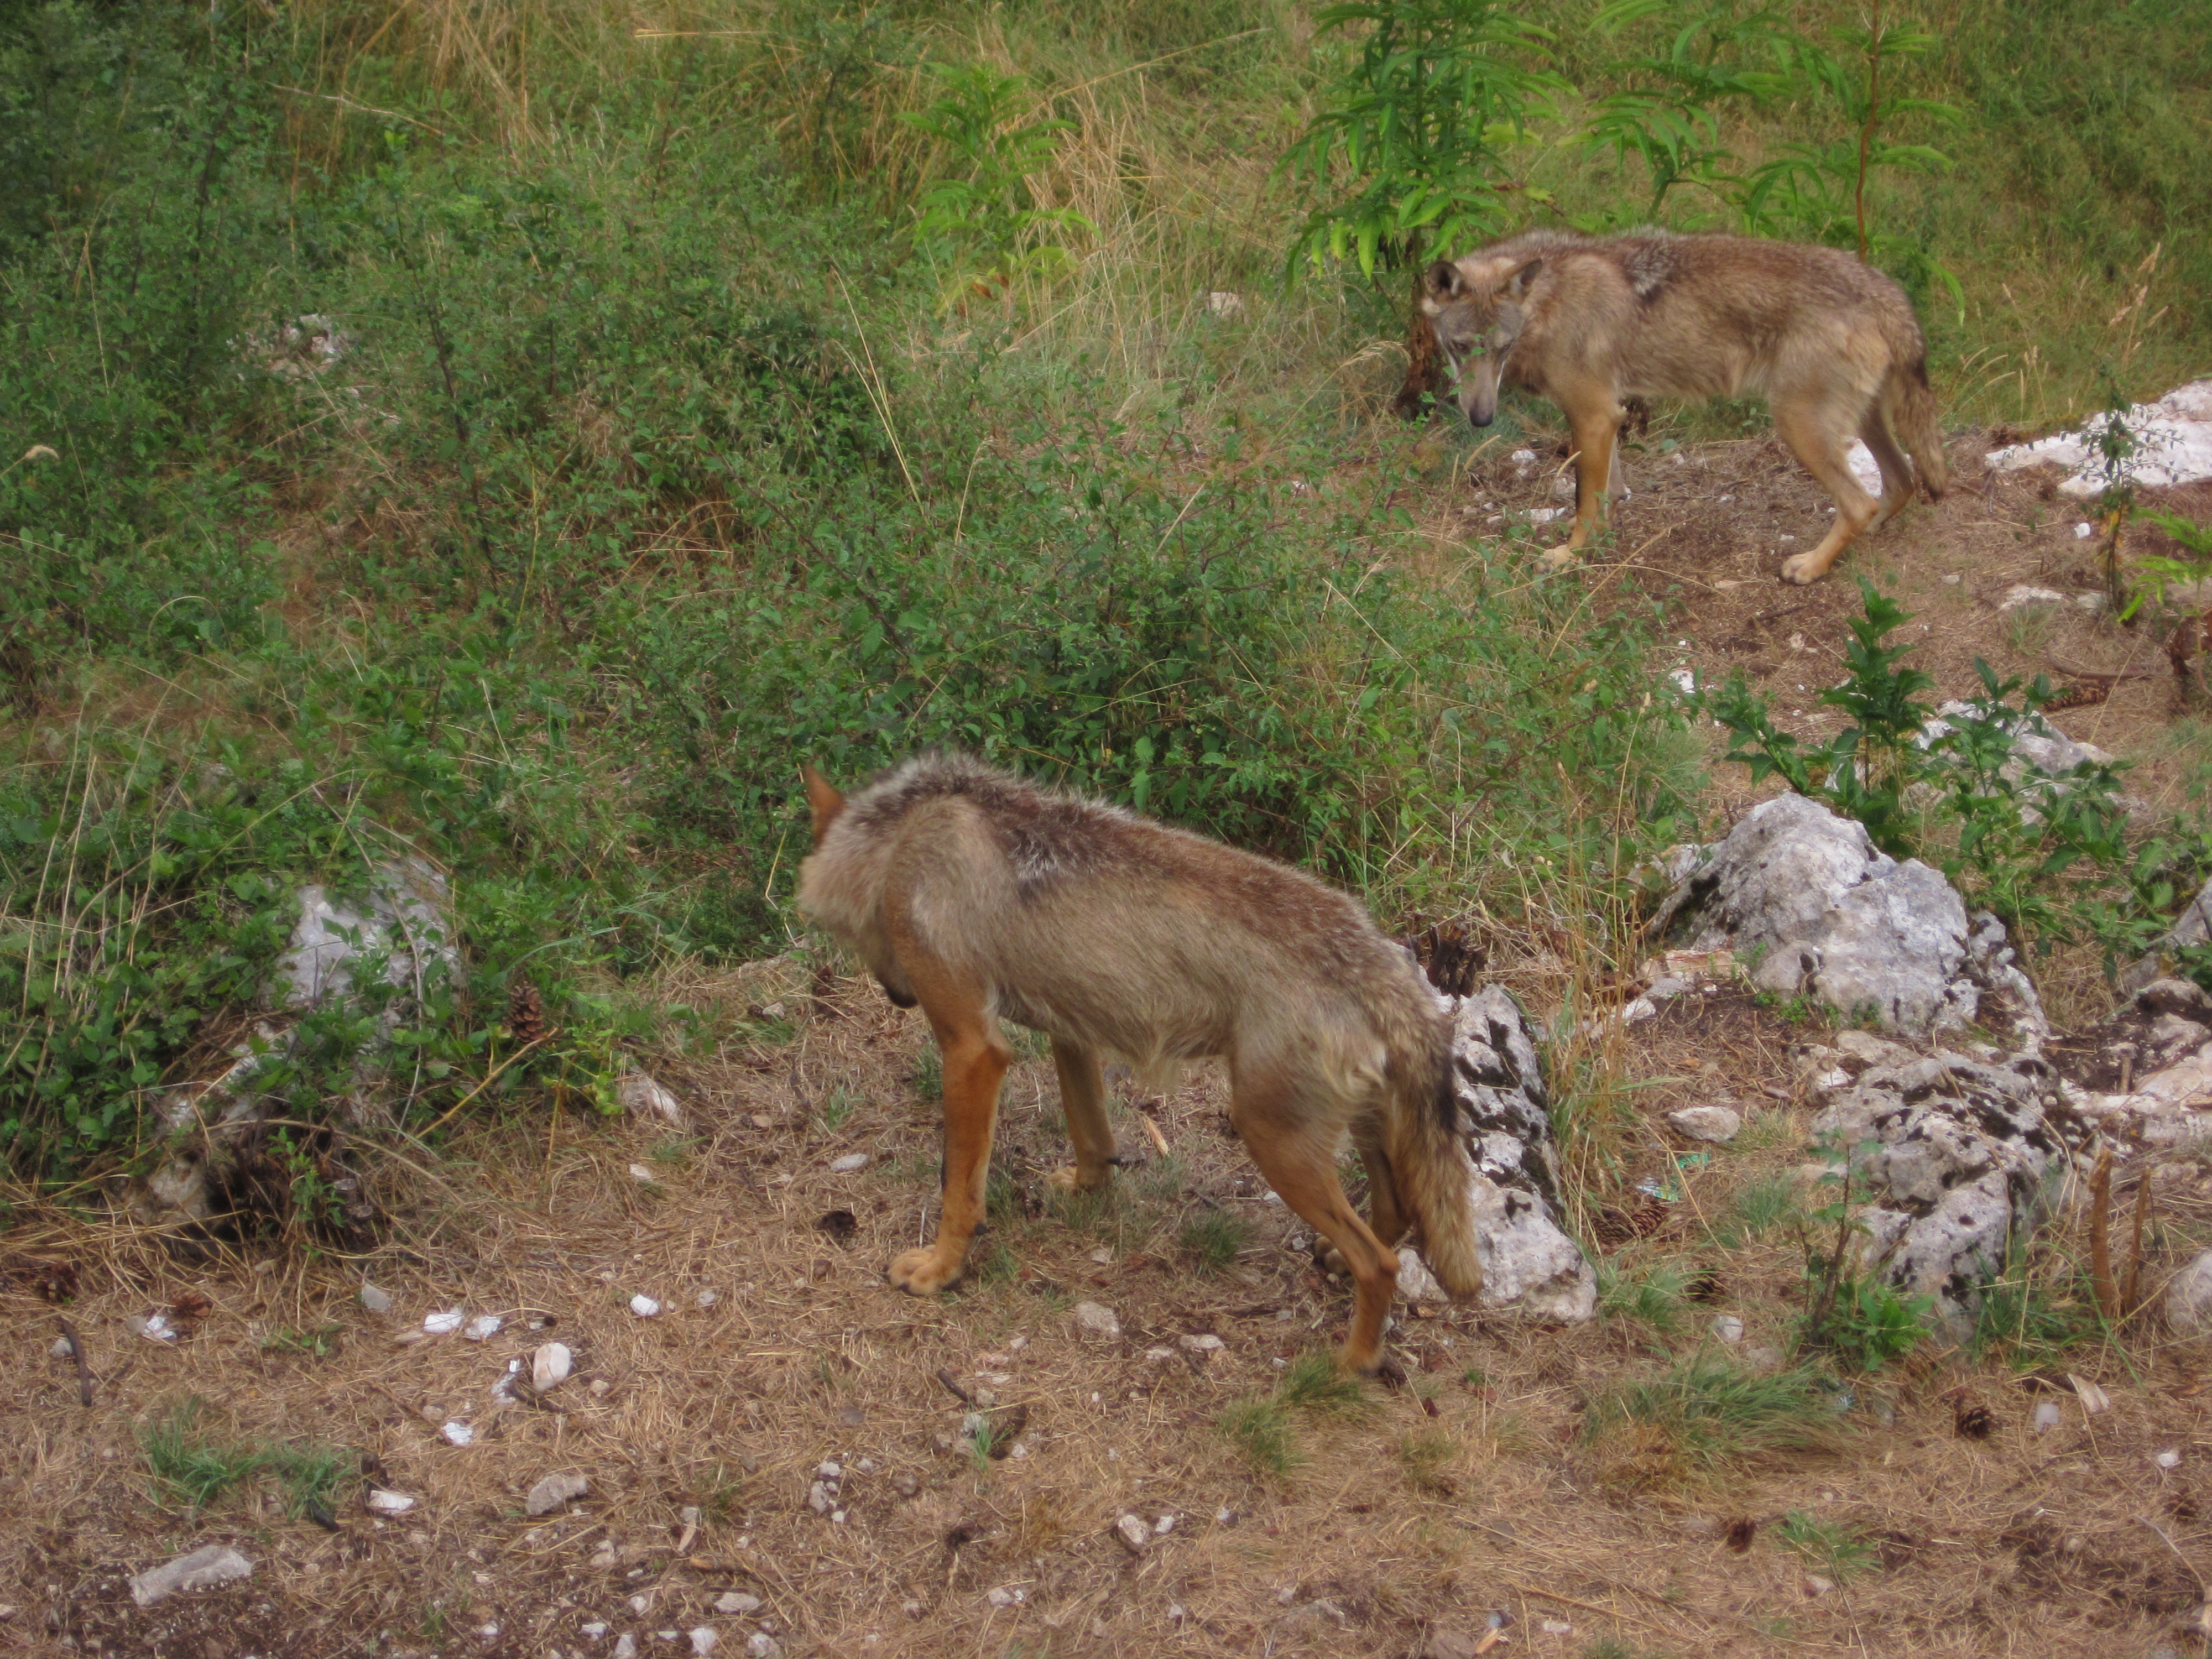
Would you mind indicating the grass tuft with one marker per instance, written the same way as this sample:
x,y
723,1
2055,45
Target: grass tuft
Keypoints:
x,y
1215,1238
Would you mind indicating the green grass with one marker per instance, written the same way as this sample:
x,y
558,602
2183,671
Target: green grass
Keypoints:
x,y
1711,1414
192,1469
1762,1205
1838,1550
1259,1426
1651,1294
1213,1239
189,1468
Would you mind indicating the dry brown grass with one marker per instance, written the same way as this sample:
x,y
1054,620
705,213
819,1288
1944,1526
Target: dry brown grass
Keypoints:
x,y
1475,1489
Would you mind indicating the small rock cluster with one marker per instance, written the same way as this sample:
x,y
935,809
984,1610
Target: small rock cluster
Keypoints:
x,y
1953,1155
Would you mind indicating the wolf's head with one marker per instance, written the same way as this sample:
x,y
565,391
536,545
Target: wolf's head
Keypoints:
x,y
1475,310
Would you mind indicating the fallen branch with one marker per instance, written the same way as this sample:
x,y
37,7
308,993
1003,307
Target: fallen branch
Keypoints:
x,y
77,1352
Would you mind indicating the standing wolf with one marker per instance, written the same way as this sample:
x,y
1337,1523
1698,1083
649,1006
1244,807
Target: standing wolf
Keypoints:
x,y
1588,322
982,898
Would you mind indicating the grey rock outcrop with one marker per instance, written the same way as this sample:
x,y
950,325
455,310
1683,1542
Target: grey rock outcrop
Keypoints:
x,y
403,931
1510,1165
1810,907
1957,1163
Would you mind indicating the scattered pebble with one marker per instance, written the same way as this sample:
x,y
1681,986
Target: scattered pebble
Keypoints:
x,y
203,1569
1716,1123
442,1324
601,1388
550,1366
1727,1327
1816,1585
2083,532
457,1433
61,1350
708,1298
2021,594
851,1163
737,1602
594,1630
2048,1416
482,1327
640,1172
644,1306
760,1645
388,1503
1206,1346
1163,1526
1953,579
155,1327
2169,1460
625,1646
1006,1595
1096,1321
704,1640
1103,1256
375,1300
1224,305
554,1491
1558,1627
1132,1534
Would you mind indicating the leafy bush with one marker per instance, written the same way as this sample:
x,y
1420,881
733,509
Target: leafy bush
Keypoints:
x,y
2049,853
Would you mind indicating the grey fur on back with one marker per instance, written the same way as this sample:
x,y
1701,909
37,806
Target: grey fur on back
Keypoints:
x,y
1120,934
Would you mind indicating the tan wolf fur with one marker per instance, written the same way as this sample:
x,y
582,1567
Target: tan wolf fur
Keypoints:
x,y
980,897
1589,323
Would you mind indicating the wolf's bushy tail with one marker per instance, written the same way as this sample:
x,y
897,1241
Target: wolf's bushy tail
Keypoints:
x,y
1909,407
1429,1162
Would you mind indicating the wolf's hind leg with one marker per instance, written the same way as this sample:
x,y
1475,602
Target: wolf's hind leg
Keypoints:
x,y
1295,1146
976,1061
1083,1097
1817,431
1386,1216
1896,471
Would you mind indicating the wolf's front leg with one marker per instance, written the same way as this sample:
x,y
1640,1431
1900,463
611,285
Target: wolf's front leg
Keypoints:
x,y
976,1061
1596,431
1083,1097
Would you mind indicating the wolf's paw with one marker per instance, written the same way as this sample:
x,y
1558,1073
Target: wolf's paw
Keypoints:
x,y
1069,1179
924,1272
1559,558
1805,568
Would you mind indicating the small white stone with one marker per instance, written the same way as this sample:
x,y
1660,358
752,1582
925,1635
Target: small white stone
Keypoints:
x,y
708,1298
482,1327
203,1569
61,1350
550,1366
851,1163
761,1645
625,1646
388,1503
457,1433
704,1640
442,1324
1201,1343
1727,1327
640,1172
737,1602
1224,305
1103,1256
1558,1627
1706,1122
1097,1321
1816,1585
1132,1534
2083,532
644,1306
594,1630
1163,1526
2048,1416
554,1491
2169,1460
1953,579
375,1300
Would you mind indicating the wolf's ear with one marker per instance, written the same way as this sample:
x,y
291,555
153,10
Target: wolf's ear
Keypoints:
x,y
1518,279
822,799
1444,282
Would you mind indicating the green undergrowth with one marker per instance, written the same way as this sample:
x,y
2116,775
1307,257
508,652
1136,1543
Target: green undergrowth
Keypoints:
x,y
520,457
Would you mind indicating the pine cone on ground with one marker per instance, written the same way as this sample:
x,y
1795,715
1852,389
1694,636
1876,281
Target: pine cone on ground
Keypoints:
x,y
526,1014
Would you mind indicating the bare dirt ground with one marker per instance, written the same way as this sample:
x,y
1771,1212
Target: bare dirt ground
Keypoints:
x,y
1474,1493
1475,1503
